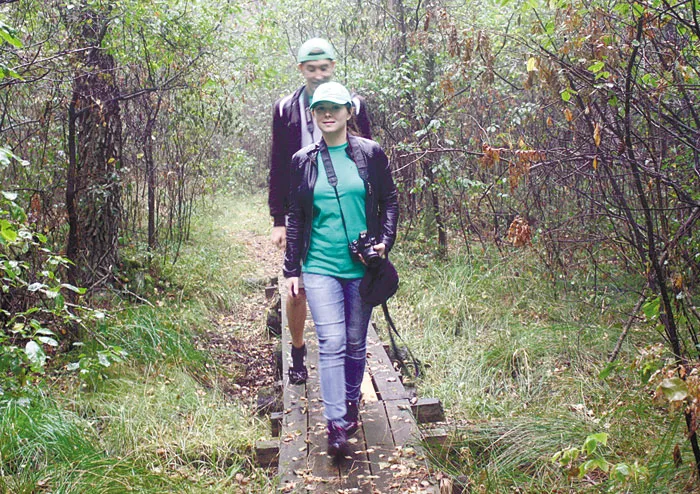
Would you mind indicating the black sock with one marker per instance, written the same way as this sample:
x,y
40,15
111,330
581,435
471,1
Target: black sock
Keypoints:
x,y
298,356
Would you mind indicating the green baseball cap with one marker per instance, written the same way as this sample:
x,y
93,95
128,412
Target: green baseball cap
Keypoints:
x,y
333,92
315,49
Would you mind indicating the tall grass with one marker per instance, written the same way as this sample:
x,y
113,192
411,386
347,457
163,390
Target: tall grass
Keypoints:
x,y
515,359
157,423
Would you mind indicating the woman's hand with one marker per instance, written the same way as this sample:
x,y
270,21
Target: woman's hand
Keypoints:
x,y
293,285
379,249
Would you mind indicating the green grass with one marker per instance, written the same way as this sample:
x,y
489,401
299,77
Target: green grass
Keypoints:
x,y
515,360
513,356
156,423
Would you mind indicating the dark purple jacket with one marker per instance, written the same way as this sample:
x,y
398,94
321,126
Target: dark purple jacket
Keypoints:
x,y
286,140
381,198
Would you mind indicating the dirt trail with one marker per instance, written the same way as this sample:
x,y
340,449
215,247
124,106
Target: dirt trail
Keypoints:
x,y
239,344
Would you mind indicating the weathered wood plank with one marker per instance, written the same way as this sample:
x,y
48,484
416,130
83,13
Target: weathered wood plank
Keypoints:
x,y
428,410
401,421
436,438
319,464
293,446
267,453
276,419
386,379
380,444
367,391
354,468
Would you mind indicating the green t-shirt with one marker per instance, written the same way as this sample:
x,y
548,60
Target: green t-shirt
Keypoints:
x,y
328,249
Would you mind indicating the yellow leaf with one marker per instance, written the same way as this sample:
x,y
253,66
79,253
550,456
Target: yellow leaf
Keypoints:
x,y
677,281
532,64
596,135
569,116
549,122
595,163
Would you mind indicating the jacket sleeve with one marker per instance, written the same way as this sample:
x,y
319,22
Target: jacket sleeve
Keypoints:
x,y
279,169
388,200
295,222
364,126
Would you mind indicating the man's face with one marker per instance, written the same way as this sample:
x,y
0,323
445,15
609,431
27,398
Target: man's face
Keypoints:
x,y
316,72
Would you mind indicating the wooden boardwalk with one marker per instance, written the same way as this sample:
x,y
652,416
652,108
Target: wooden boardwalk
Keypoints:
x,y
387,427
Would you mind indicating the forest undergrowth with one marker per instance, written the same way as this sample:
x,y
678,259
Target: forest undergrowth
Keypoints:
x,y
179,414
517,358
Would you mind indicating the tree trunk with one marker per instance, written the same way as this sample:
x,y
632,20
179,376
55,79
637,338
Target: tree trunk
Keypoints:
x,y
93,189
151,112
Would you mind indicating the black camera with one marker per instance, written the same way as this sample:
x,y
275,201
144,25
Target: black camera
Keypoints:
x,y
363,246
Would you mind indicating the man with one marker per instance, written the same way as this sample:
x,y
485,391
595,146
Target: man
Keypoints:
x,y
292,129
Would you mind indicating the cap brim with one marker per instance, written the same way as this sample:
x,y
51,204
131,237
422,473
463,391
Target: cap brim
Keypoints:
x,y
313,58
336,101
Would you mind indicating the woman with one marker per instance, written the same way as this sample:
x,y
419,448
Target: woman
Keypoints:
x,y
340,186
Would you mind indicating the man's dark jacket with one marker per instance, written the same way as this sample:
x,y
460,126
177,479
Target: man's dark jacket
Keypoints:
x,y
286,140
381,199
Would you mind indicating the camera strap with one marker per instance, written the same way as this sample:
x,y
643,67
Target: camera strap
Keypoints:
x,y
333,182
398,355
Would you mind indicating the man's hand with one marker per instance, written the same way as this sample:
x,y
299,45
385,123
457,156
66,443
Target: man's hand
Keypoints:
x,y
293,284
279,236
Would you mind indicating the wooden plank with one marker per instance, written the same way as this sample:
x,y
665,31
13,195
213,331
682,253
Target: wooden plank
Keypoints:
x,y
403,425
367,391
380,444
267,453
436,438
386,379
293,446
428,410
325,475
276,419
354,468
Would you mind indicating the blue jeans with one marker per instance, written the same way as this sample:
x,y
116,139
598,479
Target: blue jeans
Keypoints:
x,y
341,319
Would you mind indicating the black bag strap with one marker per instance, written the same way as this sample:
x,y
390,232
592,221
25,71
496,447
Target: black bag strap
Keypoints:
x,y
415,363
307,114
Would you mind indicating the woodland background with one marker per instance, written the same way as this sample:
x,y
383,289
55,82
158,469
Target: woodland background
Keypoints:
x,y
548,159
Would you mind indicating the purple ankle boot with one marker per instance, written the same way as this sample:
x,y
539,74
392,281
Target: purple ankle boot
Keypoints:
x,y
352,417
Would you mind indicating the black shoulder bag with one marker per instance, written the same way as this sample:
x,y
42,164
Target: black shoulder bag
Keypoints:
x,y
379,283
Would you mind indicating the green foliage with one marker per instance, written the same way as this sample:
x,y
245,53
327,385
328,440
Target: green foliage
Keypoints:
x,y
590,457
159,423
44,447
94,368
34,309
514,360
459,95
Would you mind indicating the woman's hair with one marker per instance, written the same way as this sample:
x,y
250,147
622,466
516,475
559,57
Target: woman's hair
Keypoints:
x,y
353,129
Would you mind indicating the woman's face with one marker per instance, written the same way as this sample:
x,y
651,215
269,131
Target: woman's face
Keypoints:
x,y
331,117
